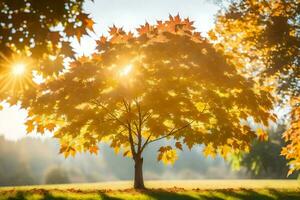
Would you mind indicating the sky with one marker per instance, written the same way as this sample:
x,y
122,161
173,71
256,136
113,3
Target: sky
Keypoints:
x,y
129,14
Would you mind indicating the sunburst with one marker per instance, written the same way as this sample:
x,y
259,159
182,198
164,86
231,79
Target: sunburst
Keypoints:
x,y
18,69
125,71
15,74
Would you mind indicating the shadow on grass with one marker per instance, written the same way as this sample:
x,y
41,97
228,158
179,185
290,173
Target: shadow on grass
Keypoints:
x,y
243,194
249,194
167,195
20,195
104,196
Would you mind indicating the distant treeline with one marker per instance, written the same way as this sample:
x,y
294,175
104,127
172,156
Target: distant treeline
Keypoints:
x,y
35,161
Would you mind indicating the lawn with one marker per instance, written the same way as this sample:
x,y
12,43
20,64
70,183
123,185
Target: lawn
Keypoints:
x,y
173,190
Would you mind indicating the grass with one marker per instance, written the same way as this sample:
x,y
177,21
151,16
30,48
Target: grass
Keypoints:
x,y
168,190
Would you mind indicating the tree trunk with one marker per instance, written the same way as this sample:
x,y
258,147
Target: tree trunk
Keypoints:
x,y
138,173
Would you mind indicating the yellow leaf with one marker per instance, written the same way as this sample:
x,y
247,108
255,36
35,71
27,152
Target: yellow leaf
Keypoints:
x,y
168,156
127,153
290,172
116,149
212,35
209,150
262,135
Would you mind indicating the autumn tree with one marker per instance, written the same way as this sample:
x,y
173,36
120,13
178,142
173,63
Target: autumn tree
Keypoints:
x,y
262,37
166,82
259,162
35,40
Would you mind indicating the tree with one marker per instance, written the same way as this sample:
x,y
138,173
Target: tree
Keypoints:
x,y
35,40
259,162
56,175
264,36
166,82
292,137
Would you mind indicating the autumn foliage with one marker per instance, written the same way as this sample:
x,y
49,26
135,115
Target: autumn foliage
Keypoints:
x,y
262,37
165,82
292,136
37,33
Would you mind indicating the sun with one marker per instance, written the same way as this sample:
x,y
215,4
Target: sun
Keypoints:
x,y
18,69
126,70
16,76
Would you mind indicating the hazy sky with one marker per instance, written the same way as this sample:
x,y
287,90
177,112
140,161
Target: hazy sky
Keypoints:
x,y
128,14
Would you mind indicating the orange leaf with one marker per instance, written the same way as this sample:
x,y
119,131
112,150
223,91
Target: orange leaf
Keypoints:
x,y
94,149
178,145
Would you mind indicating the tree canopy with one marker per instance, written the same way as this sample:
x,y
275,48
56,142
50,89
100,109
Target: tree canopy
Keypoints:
x,y
263,38
266,35
259,162
35,40
166,82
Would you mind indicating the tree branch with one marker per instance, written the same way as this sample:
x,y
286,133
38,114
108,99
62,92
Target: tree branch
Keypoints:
x,y
145,119
131,141
139,126
173,131
146,142
109,112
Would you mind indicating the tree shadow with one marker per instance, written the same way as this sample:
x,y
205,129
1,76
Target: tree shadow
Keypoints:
x,y
21,195
154,194
249,194
166,195
286,195
18,196
49,196
104,196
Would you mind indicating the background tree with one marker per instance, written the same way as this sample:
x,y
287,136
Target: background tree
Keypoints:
x,y
164,83
35,40
264,37
20,160
56,175
259,162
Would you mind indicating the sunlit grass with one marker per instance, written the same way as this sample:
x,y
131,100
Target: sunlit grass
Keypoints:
x,y
187,190
186,184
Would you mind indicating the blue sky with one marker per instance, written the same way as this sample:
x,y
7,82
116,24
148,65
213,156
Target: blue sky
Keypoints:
x,y
128,14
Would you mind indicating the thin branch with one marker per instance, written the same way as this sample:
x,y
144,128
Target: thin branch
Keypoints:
x,y
109,112
145,119
125,104
124,129
136,127
173,131
131,141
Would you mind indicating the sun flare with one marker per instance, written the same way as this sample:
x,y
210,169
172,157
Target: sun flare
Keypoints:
x,y
16,76
18,69
126,70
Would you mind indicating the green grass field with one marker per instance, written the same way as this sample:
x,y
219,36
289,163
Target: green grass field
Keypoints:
x,y
169,190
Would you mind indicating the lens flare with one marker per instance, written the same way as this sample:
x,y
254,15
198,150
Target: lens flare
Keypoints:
x,y
126,70
16,74
18,69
